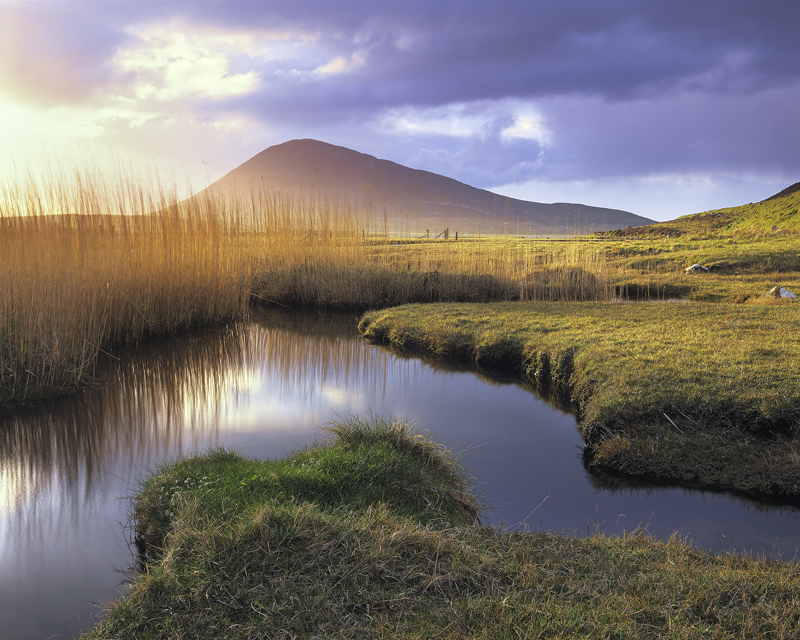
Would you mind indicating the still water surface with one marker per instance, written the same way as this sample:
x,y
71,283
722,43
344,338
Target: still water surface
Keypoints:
x,y
264,389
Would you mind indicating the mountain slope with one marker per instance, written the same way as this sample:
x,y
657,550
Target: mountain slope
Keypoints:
x,y
780,212
412,200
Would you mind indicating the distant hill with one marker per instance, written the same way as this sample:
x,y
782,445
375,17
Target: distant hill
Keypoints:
x,y
780,212
412,200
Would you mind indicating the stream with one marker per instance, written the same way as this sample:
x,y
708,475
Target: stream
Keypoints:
x,y
69,466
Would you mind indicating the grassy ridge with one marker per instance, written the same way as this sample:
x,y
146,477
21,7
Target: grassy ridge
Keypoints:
x,y
368,537
779,213
704,395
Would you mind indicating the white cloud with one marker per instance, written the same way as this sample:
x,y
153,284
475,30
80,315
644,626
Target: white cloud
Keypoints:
x,y
528,126
454,120
173,61
478,119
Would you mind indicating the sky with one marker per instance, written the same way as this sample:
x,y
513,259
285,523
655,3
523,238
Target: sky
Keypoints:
x,y
661,108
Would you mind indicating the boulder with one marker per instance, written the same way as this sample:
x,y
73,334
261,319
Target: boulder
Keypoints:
x,y
782,292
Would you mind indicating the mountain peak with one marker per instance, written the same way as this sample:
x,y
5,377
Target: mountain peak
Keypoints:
x,y
411,199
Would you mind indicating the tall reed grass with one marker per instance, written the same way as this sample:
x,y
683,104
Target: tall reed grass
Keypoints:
x,y
87,262
326,254
85,267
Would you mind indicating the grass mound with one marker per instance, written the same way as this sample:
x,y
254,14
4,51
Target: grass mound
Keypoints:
x,y
365,462
368,536
777,213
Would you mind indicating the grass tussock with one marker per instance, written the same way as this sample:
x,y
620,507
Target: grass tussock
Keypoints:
x,y
364,462
696,395
249,549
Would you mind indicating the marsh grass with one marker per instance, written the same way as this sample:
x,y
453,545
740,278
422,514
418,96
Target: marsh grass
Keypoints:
x,y
87,263
324,254
73,285
358,538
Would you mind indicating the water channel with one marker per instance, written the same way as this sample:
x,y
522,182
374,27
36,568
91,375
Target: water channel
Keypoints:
x,y
67,467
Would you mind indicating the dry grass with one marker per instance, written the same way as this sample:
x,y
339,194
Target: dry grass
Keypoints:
x,y
324,254
72,284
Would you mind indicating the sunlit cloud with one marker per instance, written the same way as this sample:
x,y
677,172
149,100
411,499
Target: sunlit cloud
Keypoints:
x,y
171,62
495,94
529,126
510,119
454,120
343,64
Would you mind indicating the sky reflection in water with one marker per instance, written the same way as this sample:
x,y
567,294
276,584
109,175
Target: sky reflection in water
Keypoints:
x,y
264,389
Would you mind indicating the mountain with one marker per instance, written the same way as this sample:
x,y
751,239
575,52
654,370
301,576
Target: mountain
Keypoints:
x,y
407,199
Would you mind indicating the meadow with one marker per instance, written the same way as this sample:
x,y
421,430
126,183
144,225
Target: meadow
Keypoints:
x,y
87,264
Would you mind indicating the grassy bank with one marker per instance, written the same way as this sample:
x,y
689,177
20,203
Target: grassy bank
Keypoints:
x,y
696,394
372,535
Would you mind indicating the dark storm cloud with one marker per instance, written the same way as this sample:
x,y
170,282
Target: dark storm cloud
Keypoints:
x,y
477,50
635,56
689,132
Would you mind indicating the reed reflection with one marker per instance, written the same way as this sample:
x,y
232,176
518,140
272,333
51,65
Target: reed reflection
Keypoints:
x,y
166,397
264,387
156,398
65,463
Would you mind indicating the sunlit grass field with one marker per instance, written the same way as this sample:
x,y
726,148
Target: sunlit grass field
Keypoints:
x,y
88,262
701,394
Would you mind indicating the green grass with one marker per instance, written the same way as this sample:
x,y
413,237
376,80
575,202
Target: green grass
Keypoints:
x,y
696,394
743,268
371,536
779,213
749,249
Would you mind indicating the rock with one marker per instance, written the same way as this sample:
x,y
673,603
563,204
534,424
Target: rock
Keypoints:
x,y
782,292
